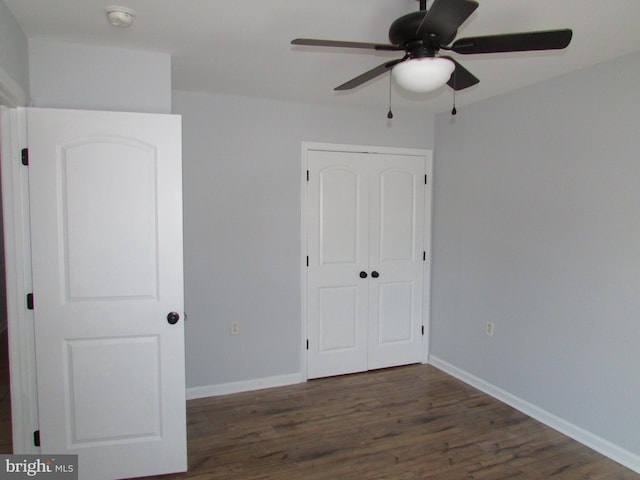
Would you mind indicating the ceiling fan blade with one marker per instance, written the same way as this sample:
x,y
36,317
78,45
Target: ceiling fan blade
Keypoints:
x,y
514,42
444,17
370,75
461,78
314,42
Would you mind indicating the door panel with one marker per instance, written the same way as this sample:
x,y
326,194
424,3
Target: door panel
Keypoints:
x,y
338,319
99,176
339,214
394,307
106,225
397,215
96,368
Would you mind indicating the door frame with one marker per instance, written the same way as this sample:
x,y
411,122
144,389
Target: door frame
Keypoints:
x,y
15,205
428,199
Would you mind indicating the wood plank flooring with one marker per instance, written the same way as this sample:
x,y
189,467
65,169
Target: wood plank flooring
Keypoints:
x,y
412,422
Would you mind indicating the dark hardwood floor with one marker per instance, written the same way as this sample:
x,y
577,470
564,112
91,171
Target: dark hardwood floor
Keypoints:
x,y
412,422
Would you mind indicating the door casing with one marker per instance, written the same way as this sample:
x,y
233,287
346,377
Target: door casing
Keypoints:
x,y
15,202
17,265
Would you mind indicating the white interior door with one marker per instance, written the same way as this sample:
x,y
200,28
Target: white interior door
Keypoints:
x,y
396,246
338,245
365,229
106,224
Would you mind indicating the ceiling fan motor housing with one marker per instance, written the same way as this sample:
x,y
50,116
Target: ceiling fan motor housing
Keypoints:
x,y
403,33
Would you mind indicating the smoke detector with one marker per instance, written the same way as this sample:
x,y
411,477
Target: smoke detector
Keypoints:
x,y
121,17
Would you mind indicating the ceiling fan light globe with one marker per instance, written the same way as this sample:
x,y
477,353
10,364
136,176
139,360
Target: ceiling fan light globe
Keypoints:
x,y
423,75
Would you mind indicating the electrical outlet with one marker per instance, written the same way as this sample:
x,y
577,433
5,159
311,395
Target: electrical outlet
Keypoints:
x,y
235,328
488,330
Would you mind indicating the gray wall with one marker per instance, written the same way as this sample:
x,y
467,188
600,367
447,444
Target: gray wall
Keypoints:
x,y
68,75
13,49
242,218
537,228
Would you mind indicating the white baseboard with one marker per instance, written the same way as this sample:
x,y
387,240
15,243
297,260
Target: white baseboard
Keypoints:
x,y
243,386
606,448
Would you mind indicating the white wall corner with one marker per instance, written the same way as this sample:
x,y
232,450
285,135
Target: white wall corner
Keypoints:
x,y
606,448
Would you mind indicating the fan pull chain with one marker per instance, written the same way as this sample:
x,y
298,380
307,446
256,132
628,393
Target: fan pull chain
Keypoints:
x,y
390,114
453,110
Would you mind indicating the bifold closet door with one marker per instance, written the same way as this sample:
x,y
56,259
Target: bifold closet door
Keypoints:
x,y
365,224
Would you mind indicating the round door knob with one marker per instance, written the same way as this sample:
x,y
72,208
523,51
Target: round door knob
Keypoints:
x,y
375,274
173,318
363,274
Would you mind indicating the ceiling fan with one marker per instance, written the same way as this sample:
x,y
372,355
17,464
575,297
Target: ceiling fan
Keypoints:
x,y
422,34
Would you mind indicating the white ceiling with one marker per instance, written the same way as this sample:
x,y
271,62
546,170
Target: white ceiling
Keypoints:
x,y
242,46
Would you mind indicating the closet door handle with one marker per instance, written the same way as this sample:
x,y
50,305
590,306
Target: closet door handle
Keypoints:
x,y
363,274
375,274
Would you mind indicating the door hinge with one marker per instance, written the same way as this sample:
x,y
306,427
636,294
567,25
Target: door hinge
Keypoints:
x,y
36,438
425,178
24,155
422,329
307,344
307,260
29,301
424,256
307,175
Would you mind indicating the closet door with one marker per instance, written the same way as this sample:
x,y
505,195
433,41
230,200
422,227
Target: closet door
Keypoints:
x,y
396,230
338,245
365,223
